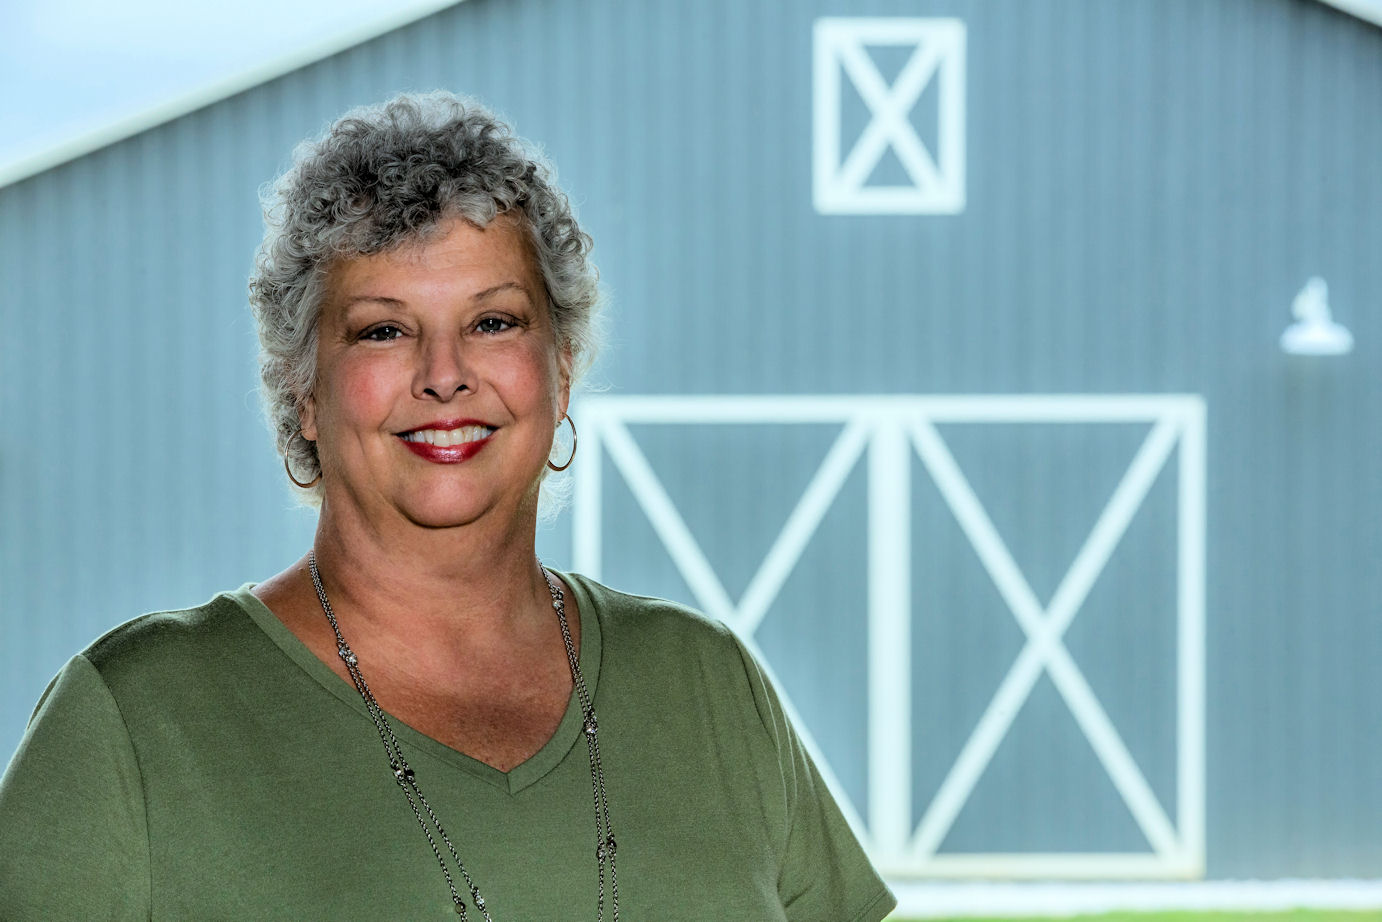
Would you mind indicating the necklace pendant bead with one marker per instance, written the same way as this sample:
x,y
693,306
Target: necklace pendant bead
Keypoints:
x,y
590,726
345,654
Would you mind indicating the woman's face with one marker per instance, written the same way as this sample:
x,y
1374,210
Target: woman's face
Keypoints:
x,y
439,379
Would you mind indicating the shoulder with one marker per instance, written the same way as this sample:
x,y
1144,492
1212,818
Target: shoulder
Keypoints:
x,y
666,643
169,644
648,621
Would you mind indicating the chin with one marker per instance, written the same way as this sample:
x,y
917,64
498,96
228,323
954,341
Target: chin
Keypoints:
x,y
452,508
446,511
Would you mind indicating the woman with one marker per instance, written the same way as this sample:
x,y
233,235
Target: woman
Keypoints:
x,y
417,719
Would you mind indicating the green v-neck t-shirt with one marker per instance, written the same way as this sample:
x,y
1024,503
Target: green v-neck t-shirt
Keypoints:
x,y
204,764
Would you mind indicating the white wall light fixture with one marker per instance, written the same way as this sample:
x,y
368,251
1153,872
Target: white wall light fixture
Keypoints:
x,y
1315,331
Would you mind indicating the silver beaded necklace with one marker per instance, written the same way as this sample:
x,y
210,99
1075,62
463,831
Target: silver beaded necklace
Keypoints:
x,y
427,819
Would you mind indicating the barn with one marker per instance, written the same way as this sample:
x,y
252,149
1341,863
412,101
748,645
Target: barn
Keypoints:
x,y
1006,373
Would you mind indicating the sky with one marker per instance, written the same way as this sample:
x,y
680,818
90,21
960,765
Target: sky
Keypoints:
x,y
79,74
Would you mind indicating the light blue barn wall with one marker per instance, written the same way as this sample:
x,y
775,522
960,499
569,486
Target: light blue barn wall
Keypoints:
x,y
1149,184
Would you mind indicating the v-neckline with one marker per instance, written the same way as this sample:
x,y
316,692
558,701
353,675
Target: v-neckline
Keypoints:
x,y
522,775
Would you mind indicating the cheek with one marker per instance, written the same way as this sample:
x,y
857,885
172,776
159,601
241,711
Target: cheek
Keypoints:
x,y
532,380
354,393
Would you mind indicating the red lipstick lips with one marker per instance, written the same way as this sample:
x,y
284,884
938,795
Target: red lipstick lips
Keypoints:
x,y
446,454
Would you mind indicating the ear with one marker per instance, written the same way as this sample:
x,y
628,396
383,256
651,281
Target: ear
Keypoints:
x,y
564,385
307,418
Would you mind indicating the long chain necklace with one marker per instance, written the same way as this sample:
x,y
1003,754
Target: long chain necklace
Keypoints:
x,y
427,819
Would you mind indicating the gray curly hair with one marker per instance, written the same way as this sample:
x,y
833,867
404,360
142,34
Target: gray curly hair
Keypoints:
x,y
381,177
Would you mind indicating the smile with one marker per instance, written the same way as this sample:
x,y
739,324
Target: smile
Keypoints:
x,y
446,438
448,442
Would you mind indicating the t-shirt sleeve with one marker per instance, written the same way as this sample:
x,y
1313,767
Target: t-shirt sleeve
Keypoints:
x,y
825,875
73,839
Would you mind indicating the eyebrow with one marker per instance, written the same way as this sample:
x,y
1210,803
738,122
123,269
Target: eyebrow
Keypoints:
x,y
395,302
495,289
373,299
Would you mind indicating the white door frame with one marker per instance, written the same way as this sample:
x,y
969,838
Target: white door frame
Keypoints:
x,y
888,429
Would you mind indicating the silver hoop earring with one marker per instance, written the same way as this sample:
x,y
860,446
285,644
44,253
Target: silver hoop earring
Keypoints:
x,y
298,483
572,423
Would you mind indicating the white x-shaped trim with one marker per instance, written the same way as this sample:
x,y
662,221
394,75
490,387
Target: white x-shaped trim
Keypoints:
x,y
890,107
1044,649
936,187
690,560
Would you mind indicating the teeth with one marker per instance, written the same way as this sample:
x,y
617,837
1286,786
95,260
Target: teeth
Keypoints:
x,y
445,438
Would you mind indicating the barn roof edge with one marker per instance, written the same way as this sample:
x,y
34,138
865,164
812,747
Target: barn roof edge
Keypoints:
x,y
1369,10
105,134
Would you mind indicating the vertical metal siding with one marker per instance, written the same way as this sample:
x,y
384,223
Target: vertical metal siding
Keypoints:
x,y
1149,184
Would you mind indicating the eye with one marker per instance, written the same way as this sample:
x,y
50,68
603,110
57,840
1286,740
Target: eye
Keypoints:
x,y
381,333
493,325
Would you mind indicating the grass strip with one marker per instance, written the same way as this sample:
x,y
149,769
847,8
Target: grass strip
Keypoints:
x,y
1298,915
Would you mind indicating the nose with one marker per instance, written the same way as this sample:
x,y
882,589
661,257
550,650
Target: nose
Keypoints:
x,y
442,370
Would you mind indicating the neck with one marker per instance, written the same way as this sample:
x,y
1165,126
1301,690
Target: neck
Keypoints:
x,y
433,586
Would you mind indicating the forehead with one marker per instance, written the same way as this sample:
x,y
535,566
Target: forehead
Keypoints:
x,y
456,258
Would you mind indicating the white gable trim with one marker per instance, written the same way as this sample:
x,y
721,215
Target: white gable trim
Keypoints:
x,y
392,16
1371,10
